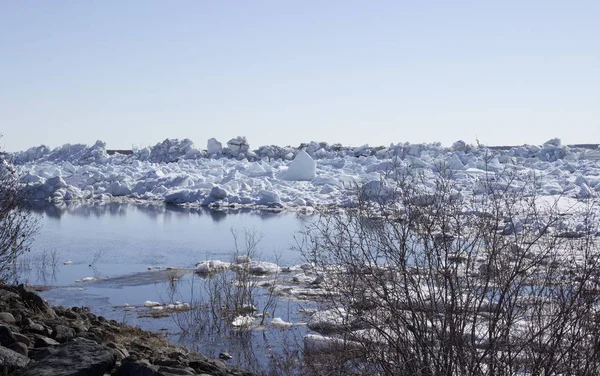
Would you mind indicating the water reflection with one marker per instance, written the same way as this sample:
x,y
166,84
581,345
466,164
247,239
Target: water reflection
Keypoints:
x,y
157,234
206,326
117,242
56,210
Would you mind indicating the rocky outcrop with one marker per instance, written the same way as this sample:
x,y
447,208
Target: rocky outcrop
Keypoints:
x,y
77,357
37,339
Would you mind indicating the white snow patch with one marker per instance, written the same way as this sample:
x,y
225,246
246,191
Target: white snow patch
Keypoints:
x,y
242,321
319,343
212,266
278,321
86,279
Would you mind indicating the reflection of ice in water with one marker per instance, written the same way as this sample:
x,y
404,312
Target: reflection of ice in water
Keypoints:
x,y
158,234
149,252
131,298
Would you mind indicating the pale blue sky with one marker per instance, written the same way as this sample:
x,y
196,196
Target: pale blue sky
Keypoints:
x,y
282,72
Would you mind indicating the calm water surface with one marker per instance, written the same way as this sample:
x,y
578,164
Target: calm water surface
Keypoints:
x,y
118,242
159,234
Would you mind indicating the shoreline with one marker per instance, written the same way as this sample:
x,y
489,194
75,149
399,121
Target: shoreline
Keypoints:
x,y
37,338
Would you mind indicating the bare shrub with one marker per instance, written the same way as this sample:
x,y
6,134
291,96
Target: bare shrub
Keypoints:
x,y
17,224
235,292
46,266
222,299
432,280
231,292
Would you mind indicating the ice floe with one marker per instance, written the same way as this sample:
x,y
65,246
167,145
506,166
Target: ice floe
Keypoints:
x,y
242,263
176,306
212,266
278,321
330,321
303,167
86,279
259,267
313,174
242,321
318,343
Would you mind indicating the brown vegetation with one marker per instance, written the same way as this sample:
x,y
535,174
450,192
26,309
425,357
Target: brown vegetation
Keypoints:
x,y
433,281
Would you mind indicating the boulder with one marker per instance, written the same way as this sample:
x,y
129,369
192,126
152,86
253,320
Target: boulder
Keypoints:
x,y
135,369
33,300
43,341
7,317
77,357
63,333
23,339
19,347
6,336
11,361
165,370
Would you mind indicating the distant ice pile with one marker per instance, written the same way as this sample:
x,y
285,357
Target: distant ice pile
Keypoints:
x,y
175,171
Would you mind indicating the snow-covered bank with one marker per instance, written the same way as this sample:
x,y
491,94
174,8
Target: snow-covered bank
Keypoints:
x,y
175,171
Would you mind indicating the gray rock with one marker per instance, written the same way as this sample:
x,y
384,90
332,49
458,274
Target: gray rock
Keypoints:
x,y
23,339
89,336
63,333
135,369
74,358
196,357
175,371
43,341
7,317
6,336
70,314
219,364
18,317
37,329
166,362
11,360
10,296
34,327
59,310
225,356
33,300
214,366
122,352
78,327
19,347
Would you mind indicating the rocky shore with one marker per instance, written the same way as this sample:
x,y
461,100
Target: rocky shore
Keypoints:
x,y
37,339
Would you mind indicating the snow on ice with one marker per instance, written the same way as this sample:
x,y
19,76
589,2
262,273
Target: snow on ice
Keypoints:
x,y
175,171
303,167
